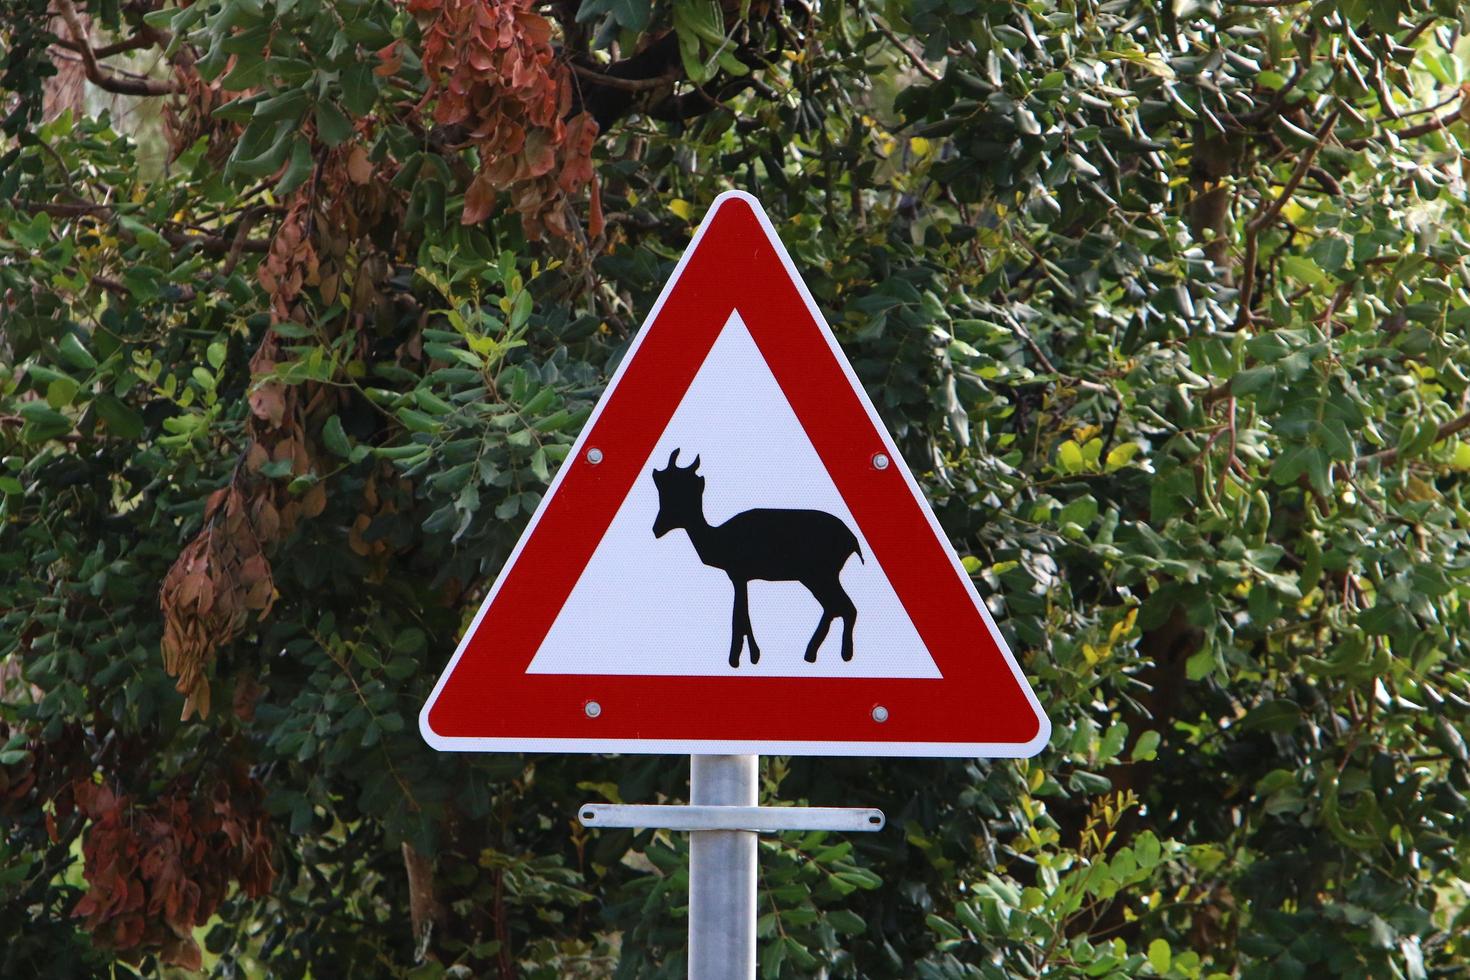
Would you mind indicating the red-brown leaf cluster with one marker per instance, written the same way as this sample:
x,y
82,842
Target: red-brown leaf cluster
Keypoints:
x,y
155,872
291,262
224,574
189,115
495,77
46,773
216,582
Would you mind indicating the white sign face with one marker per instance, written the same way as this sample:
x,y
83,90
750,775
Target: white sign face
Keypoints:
x,y
647,605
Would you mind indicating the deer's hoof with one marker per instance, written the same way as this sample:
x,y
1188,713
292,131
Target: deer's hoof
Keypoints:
x,y
755,655
846,654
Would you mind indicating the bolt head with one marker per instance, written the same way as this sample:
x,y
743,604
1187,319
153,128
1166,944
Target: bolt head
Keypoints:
x,y
880,461
594,455
880,713
592,708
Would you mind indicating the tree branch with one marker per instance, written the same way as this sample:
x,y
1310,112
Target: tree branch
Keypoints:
x,y
912,56
1268,211
221,244
1411,132
623,84
108,81
135,43
1388,457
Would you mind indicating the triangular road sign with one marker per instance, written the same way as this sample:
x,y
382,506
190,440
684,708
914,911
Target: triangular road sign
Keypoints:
x,y
734,558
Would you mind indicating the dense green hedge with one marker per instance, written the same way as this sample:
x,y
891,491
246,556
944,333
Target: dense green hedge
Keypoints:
x,y
303,303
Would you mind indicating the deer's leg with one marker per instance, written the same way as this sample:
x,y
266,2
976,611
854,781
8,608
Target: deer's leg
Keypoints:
x,y
842,602
821,634
755,651
746,630
821,591
739,623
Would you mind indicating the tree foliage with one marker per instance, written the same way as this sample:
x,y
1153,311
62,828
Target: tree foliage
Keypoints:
x,y
301,308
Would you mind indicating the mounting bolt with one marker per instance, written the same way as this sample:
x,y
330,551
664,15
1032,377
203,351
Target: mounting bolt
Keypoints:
x,y
592,708
880,713
594,455
880,461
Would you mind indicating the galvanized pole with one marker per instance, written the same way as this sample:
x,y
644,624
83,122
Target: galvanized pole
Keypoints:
x,y
722,872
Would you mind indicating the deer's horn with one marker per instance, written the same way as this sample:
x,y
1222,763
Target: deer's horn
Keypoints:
x,y
695,464
673,460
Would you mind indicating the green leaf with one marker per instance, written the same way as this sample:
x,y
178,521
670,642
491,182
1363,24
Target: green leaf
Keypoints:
x,y
410,641
269,160
847,923
359,89
364,656
1121,455
771,959
520,310
631,15
1160,956
121,421
60,392
331,125
249,72
945,928
418,421
298,167
1302,268
1330,252
42,422
1069,455
334,437
33,234
1271,716
1146,748
1081,511
538,466
74,353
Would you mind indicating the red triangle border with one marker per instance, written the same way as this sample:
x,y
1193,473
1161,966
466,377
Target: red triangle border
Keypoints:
x,y
982,706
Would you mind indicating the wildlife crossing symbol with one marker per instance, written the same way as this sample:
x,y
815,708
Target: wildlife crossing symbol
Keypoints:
x,y
734,558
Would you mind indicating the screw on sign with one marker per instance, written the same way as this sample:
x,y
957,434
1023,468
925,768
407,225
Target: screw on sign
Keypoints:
x,y
605,633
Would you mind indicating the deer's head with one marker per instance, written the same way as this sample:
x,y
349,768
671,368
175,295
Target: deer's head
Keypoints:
x,y
680,496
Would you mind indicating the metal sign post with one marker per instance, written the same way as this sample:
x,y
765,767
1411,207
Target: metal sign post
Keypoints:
x,y
722,872
723,819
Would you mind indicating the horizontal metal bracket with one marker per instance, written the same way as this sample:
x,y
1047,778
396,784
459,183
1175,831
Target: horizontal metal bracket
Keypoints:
x,y
755,818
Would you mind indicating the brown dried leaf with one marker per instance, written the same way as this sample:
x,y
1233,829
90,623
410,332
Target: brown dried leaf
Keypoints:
x,y
359,169
390,60
594,213
314,501
197,700
355,540
268,402
479,200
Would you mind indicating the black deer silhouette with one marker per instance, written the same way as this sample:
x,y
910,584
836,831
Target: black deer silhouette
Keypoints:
x,y
806,546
